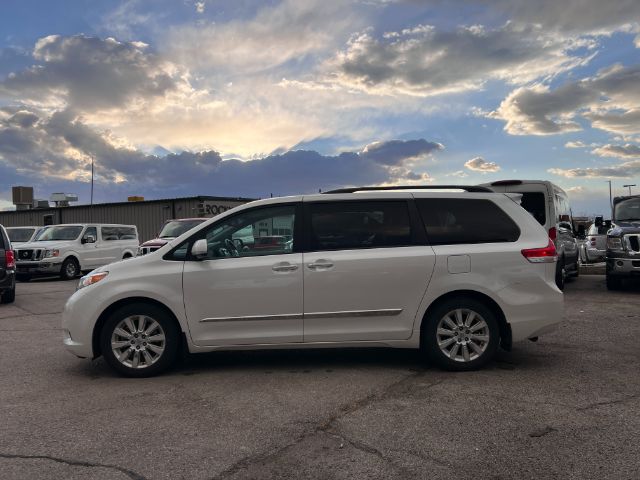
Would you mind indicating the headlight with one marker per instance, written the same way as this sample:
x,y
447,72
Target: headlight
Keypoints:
x,y
91,278
614,243
51,253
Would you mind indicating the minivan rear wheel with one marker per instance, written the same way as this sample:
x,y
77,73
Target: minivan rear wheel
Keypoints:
x,y
461,334
139,340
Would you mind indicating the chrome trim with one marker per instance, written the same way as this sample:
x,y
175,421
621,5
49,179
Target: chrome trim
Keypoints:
x,y
250,318
356,313
299,316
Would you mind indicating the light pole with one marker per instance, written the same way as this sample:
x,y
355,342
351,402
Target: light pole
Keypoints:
x,y
631,185
610,199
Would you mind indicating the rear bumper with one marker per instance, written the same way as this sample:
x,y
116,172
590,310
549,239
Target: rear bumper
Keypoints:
x,y
38,268
532,309
623,267
595,255
8,281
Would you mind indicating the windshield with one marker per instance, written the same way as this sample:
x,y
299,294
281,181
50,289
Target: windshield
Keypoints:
x,y
59,233
176,228
628,210
20,234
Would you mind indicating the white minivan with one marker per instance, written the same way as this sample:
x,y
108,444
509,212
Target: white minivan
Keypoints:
x,y
456,273
549,205
69,249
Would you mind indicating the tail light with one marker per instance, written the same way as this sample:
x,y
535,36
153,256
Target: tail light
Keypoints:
x,y
10,259
547,254
593,241
553,233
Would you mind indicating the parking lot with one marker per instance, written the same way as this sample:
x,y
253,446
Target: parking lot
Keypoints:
x,y
565,407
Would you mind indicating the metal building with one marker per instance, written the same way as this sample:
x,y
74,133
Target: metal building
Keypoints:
x,y
147,215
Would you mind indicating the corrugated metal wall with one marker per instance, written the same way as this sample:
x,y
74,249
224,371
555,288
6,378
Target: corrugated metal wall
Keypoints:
x,y
148,216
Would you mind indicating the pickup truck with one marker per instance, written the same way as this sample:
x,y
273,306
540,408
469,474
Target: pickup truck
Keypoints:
x,y
623,241
67,250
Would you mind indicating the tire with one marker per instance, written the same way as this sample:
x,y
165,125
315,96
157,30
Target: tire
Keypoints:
x,y
561,274
23,278
70,269
613,283
9,296
460,354
576,272
127,255
150,361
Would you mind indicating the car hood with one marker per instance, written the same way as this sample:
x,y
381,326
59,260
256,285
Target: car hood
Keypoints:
x,y
47,244
623,228
157,242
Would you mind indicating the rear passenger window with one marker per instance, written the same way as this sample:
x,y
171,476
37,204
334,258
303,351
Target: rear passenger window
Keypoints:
x,y
118,233
454,221
353,225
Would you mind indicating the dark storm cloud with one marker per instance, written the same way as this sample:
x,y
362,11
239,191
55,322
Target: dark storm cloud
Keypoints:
x,y
61,146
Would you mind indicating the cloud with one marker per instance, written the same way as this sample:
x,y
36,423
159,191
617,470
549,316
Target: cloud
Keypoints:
x,y
623,170
89,73
60,147
620,151
285,32
610,101
427,61
479,164
576,144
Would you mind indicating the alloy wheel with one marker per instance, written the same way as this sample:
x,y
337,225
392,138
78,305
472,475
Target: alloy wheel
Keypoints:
x,y
462,335
138,341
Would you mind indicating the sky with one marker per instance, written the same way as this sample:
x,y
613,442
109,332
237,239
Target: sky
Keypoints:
x,y
250,98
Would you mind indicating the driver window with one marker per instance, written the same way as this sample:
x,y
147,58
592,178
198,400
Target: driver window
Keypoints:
x,y
91,231
256,232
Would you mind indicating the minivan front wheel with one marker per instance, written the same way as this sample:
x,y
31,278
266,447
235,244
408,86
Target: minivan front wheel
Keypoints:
x,y
461,334
139,340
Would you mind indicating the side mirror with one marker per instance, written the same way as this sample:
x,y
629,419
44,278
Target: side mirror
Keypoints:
x,y
599,221
581,231
200,249
89,239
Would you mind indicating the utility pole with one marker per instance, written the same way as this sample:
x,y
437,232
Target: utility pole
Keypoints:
x,y
631,185
610,199
91,207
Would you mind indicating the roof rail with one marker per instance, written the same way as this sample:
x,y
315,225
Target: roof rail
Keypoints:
x,y
468,188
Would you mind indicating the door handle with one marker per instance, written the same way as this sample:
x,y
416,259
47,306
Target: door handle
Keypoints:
x,y
320,265
284,267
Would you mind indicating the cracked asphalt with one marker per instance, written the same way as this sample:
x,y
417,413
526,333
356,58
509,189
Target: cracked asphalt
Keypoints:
x,y
565,407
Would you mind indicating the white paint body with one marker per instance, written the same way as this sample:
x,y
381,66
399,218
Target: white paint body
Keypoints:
x,y
228,303
88,255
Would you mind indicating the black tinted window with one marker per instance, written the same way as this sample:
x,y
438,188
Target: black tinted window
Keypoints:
x,y
348,225
533,202
457,220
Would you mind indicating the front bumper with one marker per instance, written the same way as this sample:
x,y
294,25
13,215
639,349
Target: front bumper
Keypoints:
x,y
38,268
623,267
78,319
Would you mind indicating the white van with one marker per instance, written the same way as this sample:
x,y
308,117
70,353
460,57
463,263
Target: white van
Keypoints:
x,y
456,274
549,205
67,250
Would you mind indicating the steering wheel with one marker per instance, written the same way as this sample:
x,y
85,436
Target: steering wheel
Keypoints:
x,y
231,247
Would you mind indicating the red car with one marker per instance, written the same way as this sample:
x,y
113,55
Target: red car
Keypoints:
x,y
170,230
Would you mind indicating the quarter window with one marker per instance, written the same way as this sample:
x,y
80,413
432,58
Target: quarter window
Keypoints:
x,y
354,225
451,221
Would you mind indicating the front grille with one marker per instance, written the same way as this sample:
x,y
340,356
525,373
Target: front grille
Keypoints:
x,y
28,254
634,242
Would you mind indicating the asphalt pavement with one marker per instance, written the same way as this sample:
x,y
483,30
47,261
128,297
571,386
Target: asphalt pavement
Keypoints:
x,y
567,406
